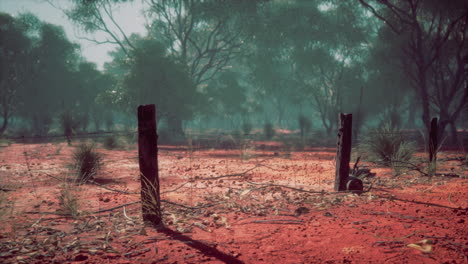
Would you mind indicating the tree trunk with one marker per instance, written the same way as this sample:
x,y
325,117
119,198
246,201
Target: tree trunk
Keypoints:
x,y
175,126
5,121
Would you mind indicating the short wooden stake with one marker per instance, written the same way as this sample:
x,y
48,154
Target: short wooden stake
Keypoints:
x,y
148,160
343,151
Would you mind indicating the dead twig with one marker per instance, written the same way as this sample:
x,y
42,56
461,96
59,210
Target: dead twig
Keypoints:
x,y
116,207
110,189
177,188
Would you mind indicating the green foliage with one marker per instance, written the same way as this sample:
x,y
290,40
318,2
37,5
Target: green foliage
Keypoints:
x,y
268,130
387,146
14,64
87,162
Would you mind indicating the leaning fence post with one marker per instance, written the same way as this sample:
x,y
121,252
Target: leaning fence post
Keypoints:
x,y
343,151
148,160
433,145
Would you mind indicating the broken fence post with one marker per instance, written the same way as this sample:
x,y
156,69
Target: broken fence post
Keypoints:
x,y
343,152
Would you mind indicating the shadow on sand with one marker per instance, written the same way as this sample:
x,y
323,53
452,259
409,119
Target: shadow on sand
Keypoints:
x,y
203,248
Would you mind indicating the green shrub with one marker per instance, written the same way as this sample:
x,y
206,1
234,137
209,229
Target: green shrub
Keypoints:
x,y
87,162
388,147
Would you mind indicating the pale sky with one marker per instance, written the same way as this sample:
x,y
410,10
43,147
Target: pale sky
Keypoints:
x,y
128,16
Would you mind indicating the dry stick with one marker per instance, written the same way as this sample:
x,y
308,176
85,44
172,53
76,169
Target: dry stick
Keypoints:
x,y
110,189
177,188
259,164
116,207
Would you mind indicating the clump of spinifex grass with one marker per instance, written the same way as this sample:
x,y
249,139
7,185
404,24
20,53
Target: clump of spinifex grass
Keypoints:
x,y
87,162
68,201
388,146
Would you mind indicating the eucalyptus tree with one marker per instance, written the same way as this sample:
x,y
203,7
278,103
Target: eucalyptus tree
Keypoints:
x,y
434,52
99,16
203,36
154,77
55,58
90,91
15,47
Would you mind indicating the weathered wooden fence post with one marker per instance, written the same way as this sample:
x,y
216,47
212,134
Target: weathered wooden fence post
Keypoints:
x,y
343,152
433,145
148,160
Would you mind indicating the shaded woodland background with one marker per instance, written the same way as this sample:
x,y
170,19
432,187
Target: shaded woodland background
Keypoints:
x,y
240,66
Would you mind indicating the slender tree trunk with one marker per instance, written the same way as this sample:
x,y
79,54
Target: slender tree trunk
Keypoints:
x,y
4,125
175,126
5,116
454,133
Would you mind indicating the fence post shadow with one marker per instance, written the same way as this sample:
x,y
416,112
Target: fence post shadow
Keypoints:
x,y
202,247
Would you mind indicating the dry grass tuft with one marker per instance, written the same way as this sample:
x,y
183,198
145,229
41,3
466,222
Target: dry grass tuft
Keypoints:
x,y
87,162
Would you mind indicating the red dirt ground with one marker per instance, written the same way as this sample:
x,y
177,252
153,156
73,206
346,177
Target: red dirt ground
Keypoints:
x,y
239,206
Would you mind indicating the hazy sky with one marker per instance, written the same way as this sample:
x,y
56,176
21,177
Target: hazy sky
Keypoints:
x,y
128,17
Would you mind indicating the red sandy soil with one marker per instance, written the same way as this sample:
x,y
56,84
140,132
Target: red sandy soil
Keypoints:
x,y
238,207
